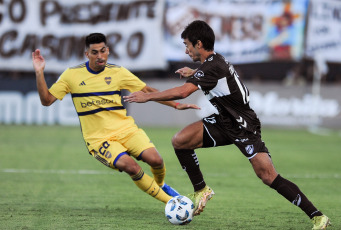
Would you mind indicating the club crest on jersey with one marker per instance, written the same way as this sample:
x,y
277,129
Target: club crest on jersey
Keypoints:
x,y
107,80
249,149
199,74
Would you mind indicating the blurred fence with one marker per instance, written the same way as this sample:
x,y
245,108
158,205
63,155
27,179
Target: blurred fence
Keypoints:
x,y
276,105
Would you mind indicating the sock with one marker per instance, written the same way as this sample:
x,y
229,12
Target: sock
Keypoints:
x,y
149,186
159,174
293,194
190,163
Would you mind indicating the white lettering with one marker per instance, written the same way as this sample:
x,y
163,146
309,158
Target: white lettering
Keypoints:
x,y
16,108
66,112
11,107
272,105
36,113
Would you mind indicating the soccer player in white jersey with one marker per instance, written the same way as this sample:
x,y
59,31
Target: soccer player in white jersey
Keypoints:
x,y
236,123
110,135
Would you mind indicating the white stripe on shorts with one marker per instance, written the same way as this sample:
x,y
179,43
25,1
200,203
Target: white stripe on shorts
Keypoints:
x,y
210,135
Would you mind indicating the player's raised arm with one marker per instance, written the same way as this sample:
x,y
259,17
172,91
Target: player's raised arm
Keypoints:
x,y
38,61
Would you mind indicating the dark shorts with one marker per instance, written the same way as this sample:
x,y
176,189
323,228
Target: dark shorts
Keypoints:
x,y
218,134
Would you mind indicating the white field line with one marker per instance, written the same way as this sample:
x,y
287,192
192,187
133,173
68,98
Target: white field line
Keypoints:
x,y
56,171
226,175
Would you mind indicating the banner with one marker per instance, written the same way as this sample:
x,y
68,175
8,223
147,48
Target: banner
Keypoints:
x,y
324,30
275,105
58,28
246,31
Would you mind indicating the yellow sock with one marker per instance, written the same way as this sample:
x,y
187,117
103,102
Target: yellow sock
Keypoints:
x,y
149,186
159,174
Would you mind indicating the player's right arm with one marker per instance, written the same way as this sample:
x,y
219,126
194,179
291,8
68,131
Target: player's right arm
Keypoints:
x,y
179,92
38,61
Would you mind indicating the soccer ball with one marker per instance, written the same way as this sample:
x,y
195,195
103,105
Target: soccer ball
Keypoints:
x,y
179,210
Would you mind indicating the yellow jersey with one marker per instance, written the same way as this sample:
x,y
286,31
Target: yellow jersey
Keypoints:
x,y
97,99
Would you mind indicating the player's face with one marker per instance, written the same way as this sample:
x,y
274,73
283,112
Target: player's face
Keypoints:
x,y
98,56
191,50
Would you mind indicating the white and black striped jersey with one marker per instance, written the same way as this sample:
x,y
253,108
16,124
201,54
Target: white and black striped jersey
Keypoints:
x,y
220,83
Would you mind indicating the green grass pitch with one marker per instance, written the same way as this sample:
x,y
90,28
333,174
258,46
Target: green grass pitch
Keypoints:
x,y
49,181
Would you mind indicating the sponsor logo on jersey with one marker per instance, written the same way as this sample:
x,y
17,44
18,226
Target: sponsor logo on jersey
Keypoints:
x,y
107,80
210,59
96,102
199,74
82,83
249,149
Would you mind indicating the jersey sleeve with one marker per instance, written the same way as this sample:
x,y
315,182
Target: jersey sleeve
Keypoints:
x,y
61,87
203,80
130,82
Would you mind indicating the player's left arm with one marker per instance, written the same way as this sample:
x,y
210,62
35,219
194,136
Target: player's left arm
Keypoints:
x,y
180,106
164,97
186,72
38,61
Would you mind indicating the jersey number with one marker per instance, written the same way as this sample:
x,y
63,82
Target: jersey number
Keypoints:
x,y
242,88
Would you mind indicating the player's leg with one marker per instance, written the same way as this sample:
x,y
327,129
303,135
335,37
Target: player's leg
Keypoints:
x,y
152,157
264,169
142,180
114,155
158,168
201,134
184,143
139,146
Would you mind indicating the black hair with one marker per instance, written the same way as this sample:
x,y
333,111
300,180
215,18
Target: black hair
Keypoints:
x,y
199,30
95,38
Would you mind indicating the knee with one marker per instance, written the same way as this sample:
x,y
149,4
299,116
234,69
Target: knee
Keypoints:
x,y
264,168
266,180
156,161
132,169
177,141
152,157
129,166
266,176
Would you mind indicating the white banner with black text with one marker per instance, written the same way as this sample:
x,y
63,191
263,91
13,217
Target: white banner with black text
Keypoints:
x,y
324,30
58,28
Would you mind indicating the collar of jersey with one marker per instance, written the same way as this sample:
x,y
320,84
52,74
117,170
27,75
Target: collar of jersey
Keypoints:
x,y
90,70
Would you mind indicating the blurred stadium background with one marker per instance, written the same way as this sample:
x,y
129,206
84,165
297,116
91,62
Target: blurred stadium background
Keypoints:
x,y
287,52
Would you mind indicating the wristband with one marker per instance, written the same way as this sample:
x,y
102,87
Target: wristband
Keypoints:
x,y
176,105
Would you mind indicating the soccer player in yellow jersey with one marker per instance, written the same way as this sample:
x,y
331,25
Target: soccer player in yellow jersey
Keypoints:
x,y
111,136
